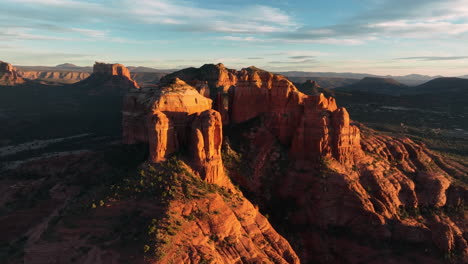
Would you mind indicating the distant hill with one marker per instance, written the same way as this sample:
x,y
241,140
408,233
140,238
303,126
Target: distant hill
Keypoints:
x,y
375,85
413,79
442,85
325,82
67,66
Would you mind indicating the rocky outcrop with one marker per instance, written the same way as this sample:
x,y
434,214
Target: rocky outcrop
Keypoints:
x,y
206,137
111,69
9,75
176,118
109,79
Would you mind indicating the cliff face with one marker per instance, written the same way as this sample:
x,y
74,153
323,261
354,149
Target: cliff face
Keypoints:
x,y
8,75
305,155
111,79
176,118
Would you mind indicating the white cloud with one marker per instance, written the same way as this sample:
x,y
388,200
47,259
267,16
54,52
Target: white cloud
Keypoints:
x,y
420,29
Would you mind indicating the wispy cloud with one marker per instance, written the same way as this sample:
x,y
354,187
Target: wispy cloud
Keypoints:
x,y
301,57
293,62
435,58
418,19
176,14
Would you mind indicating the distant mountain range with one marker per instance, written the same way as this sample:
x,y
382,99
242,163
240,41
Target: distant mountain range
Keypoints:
x,y
409,80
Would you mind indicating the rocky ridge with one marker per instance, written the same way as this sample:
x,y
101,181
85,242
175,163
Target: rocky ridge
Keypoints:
x,y
61,76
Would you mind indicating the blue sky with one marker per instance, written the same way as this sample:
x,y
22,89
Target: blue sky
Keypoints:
x,y
373,36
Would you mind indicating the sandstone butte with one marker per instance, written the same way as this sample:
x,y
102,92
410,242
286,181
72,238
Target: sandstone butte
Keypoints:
x,y
346,194
108,79
9,75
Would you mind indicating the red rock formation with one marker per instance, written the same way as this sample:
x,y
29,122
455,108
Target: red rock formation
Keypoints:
x,y
173,118
108,79
111,69
375,187
206,139
224,231
313,125
9,75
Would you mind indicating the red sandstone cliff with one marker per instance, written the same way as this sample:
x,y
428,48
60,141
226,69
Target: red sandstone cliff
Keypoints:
x,y
304,155
174,118
9,75
313,125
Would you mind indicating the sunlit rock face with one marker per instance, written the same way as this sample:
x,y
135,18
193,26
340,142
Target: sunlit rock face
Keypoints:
x,y
9,75
173,118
